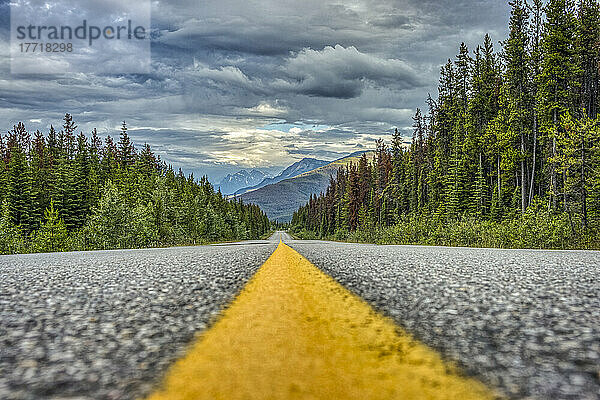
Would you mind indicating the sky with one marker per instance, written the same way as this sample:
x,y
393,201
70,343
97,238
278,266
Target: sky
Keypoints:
x,y
239,84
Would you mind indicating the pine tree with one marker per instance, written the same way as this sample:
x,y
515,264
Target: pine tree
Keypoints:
x,y
4,157
125,148
479,201
588,55
575,160
81,189
96,178
19,179
39,175
536,58
418,163
353,194
558,84
483,109
52,235
517,82
11,237
69,128
593,182
453,188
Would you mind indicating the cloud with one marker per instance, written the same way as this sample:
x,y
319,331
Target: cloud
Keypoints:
x,y
266,109
267,28
223,74
343,72
392,21
223,71
97,56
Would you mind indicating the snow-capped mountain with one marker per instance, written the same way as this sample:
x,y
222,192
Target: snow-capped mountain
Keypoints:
x,y
241,179
279,200
297,168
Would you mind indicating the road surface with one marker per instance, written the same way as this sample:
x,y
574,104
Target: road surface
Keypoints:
x,y
109,325
525,321
106,325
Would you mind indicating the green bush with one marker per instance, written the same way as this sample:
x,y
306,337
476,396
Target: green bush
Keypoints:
x,y
52,235
537,229
12,240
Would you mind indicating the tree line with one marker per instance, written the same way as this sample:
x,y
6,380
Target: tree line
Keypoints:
x,y
65,191
511,143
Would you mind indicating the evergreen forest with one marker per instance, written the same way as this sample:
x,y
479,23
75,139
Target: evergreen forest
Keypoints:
x,y
65,191
506,155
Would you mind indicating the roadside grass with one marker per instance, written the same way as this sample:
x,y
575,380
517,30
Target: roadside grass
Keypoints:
x,y
530,231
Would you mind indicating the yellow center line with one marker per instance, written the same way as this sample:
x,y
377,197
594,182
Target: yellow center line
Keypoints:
x,y
295,333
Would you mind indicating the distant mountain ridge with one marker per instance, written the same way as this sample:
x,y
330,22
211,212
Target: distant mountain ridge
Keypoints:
x,y
241,179
279,200
297,168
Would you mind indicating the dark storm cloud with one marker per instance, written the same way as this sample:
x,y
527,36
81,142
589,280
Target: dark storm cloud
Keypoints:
x,y
224,70
392,21
343,72
263,28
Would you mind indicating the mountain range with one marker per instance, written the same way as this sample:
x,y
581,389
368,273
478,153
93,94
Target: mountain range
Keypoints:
x,y
280,199
241,179
297,168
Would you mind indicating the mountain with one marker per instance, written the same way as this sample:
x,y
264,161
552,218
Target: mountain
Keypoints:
x,y
297,168
280,200
241,179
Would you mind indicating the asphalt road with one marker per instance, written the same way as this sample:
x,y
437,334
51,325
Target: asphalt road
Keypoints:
x,y
524,321
281,235
106,325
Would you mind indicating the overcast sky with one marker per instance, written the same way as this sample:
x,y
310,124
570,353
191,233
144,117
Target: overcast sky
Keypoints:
x,y
245,83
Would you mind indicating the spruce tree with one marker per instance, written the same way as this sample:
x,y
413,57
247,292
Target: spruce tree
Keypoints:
x,y
558,80
517,83
39,175
4,158
81,189
125,148
19,179
52,235
588,55
536,58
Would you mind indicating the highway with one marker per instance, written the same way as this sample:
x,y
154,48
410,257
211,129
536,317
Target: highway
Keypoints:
x,y
106,325
525,321
112,324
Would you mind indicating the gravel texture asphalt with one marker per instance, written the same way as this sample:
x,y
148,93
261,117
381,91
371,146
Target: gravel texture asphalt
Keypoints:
x,y
106,325
524,321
